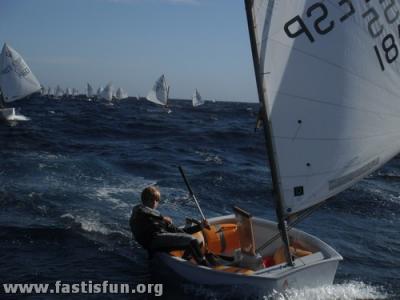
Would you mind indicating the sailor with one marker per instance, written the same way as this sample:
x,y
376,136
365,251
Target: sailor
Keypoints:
x,y
156,232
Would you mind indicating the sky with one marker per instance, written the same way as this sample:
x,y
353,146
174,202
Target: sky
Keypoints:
x,y
201,44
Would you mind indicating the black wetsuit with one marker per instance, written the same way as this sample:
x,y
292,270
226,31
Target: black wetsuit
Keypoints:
x,y
151,231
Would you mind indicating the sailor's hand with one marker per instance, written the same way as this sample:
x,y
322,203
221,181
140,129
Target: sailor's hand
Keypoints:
x,y
205,224
167,220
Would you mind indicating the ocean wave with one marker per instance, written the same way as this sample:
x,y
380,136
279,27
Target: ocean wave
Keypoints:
x,y
93,224
83,167
346,291
209,157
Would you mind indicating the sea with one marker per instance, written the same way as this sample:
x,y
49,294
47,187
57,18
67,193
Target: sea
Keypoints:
x,y
70,176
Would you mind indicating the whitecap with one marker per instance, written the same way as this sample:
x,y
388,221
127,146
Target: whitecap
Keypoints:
x,y
89,225
346,291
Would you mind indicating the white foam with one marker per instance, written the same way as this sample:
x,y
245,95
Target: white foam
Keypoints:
x,y
209,157
18,118
113,194
89,225
109,194
347,291
394,199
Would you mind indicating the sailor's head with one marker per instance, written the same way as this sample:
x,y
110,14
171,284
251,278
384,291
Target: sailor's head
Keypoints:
x,y
151,197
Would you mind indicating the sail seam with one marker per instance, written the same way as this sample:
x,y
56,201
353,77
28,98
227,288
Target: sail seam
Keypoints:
x,y
334,65
338,139
339,105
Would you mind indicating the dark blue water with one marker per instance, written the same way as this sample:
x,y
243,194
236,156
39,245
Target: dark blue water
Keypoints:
x,y
70,176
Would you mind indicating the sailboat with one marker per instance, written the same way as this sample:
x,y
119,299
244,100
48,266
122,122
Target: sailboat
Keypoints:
x,y
89,92
107,93
99,91
16,82
196,99
68,92
159,93
329,107
75,92
43,91
124,94
50,92
121,94
59,92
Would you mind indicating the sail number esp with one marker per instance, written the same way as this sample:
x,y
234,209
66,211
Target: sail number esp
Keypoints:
x,y
387,50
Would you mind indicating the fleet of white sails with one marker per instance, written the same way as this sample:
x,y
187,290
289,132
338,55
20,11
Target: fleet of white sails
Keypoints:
x,y
329,96
17,81
108,93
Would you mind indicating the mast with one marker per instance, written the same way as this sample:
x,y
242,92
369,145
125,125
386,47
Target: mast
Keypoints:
x,y
167,95
277,194
2,104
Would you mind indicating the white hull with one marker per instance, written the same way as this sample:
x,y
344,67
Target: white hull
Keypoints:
x,y
9,115
313,270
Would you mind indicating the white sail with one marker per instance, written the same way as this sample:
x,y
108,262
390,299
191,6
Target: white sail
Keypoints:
x,y
75,92
68,92
107,93
159,92
43,91
196,99
16,78
121,94
330,74
89,91
50,91
118,94
99,91
59,91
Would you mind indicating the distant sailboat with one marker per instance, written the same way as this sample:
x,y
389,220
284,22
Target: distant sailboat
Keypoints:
x,y
99,91
89,92
107,93
68,92
59,92
43,91
196,99
50,92
160,92
121,94
16,81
